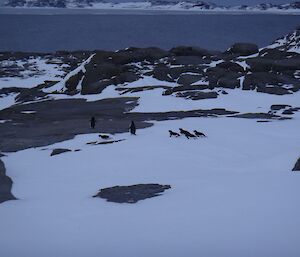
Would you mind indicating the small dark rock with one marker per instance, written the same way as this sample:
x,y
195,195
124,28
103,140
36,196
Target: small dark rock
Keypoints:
x,y
5,185
59,151
263,121
197,95
277,107
256,116
288,112
297,165
131,194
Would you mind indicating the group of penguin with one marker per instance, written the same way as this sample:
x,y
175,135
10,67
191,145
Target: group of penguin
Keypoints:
x,y
186,133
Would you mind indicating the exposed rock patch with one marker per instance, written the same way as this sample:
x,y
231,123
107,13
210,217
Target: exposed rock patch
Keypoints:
x,y
297,165
131,194
60,151
243,49
5,185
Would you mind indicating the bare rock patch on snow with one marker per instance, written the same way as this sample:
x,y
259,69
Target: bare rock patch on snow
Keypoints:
x,y
60,151
131,194
297,165
5,185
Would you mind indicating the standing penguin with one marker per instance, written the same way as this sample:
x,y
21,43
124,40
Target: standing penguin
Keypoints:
x,y
132,128
93,122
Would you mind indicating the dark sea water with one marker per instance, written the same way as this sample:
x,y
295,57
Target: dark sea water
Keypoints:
x,y
116,30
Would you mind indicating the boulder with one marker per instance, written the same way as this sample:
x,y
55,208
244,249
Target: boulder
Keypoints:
x,y
230,66
131,194
229,80
243,49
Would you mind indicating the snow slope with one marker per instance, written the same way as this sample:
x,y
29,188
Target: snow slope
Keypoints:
x,y
232,194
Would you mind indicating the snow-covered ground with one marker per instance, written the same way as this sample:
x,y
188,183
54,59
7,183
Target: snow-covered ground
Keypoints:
x,y
233,194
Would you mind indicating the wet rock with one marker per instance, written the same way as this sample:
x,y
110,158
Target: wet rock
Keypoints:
x,y
131,194
243,49
5,185
59,151
297,165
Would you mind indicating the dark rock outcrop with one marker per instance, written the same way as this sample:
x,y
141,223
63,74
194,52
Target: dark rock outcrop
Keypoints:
x,y
256,116
192,51
59,151
197,95
277,107
73,81
131,194
188,79
297,165
5,185
243,49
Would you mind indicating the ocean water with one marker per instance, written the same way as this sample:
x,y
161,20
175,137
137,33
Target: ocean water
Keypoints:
x,y
111,30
